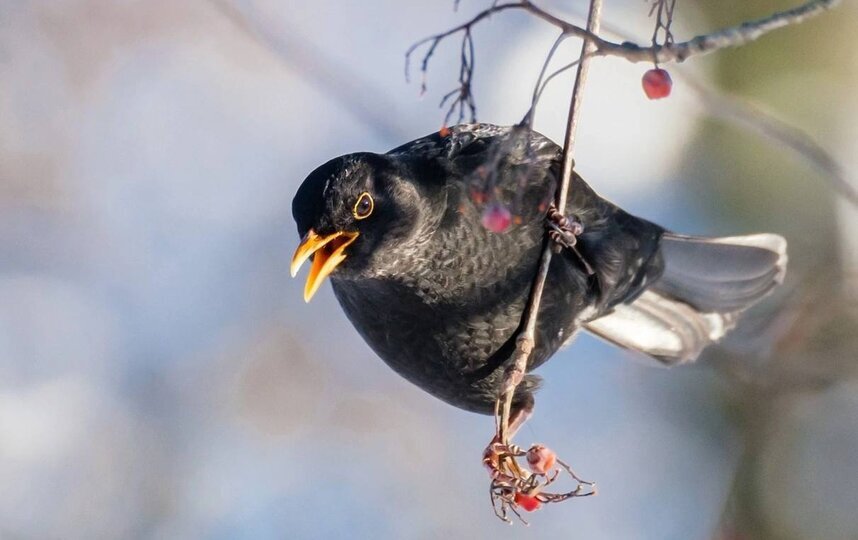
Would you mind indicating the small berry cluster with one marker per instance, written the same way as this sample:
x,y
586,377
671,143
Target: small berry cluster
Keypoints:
x,y
513,488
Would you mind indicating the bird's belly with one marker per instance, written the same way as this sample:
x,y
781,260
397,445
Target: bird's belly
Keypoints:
x,y
455,348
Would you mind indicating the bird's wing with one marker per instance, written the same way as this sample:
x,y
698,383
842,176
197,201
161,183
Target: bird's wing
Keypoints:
x,y
705,285
721,274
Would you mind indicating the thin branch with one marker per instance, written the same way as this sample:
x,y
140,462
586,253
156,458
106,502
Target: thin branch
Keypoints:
x,y
735,36
461,97
526,339
663,20
434,40
537,88
708,43
537,95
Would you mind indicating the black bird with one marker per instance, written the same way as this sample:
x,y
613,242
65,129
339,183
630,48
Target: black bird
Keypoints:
x,y
440,298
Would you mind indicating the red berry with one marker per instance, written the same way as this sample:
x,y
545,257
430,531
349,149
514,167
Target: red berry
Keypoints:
x,y
527,502
496,218
540,459
656,83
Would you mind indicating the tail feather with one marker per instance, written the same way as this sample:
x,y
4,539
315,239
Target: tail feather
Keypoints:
x,y
721,274
706,284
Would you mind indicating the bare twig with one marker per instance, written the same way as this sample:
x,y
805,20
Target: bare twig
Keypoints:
x,y
663,20
525,340
464,97
735,36
464,92
678,52
537,88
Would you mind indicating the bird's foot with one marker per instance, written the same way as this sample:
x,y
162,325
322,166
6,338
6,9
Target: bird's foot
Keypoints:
x,y
514,488
564,232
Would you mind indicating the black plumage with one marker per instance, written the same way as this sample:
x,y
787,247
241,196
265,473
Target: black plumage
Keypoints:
x,y
440,299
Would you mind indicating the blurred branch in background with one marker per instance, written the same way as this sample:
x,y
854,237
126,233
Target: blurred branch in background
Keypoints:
x,y
805,347
367,101
754,117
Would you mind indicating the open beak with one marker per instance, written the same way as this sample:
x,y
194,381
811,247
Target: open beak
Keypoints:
x,y
327,252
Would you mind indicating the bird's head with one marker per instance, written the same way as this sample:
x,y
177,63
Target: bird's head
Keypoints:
x,y
348,211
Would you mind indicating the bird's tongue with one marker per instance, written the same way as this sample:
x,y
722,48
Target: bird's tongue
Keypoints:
x,y
327,252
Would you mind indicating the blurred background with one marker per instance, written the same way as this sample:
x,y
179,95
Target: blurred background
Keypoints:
x,y
161,377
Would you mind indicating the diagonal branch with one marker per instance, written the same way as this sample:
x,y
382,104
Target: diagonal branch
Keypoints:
x,y
340,82
526,339
734,36
766,124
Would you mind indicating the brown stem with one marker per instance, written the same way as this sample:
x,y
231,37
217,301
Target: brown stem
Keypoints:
x,y
678,52
526,340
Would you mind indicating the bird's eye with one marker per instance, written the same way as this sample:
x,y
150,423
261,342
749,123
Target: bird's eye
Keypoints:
x,y
364,206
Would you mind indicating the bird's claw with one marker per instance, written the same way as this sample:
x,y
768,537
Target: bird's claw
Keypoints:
x,y
564,232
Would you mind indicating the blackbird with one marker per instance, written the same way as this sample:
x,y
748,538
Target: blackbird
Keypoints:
x,y
440,298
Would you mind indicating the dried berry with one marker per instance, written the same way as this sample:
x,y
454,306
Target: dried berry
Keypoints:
x,y
540,459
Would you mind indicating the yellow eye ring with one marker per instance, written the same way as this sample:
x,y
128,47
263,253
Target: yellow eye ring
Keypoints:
x,y
364,206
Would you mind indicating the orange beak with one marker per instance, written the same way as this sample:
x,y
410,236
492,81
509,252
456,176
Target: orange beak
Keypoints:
x,y
327,253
